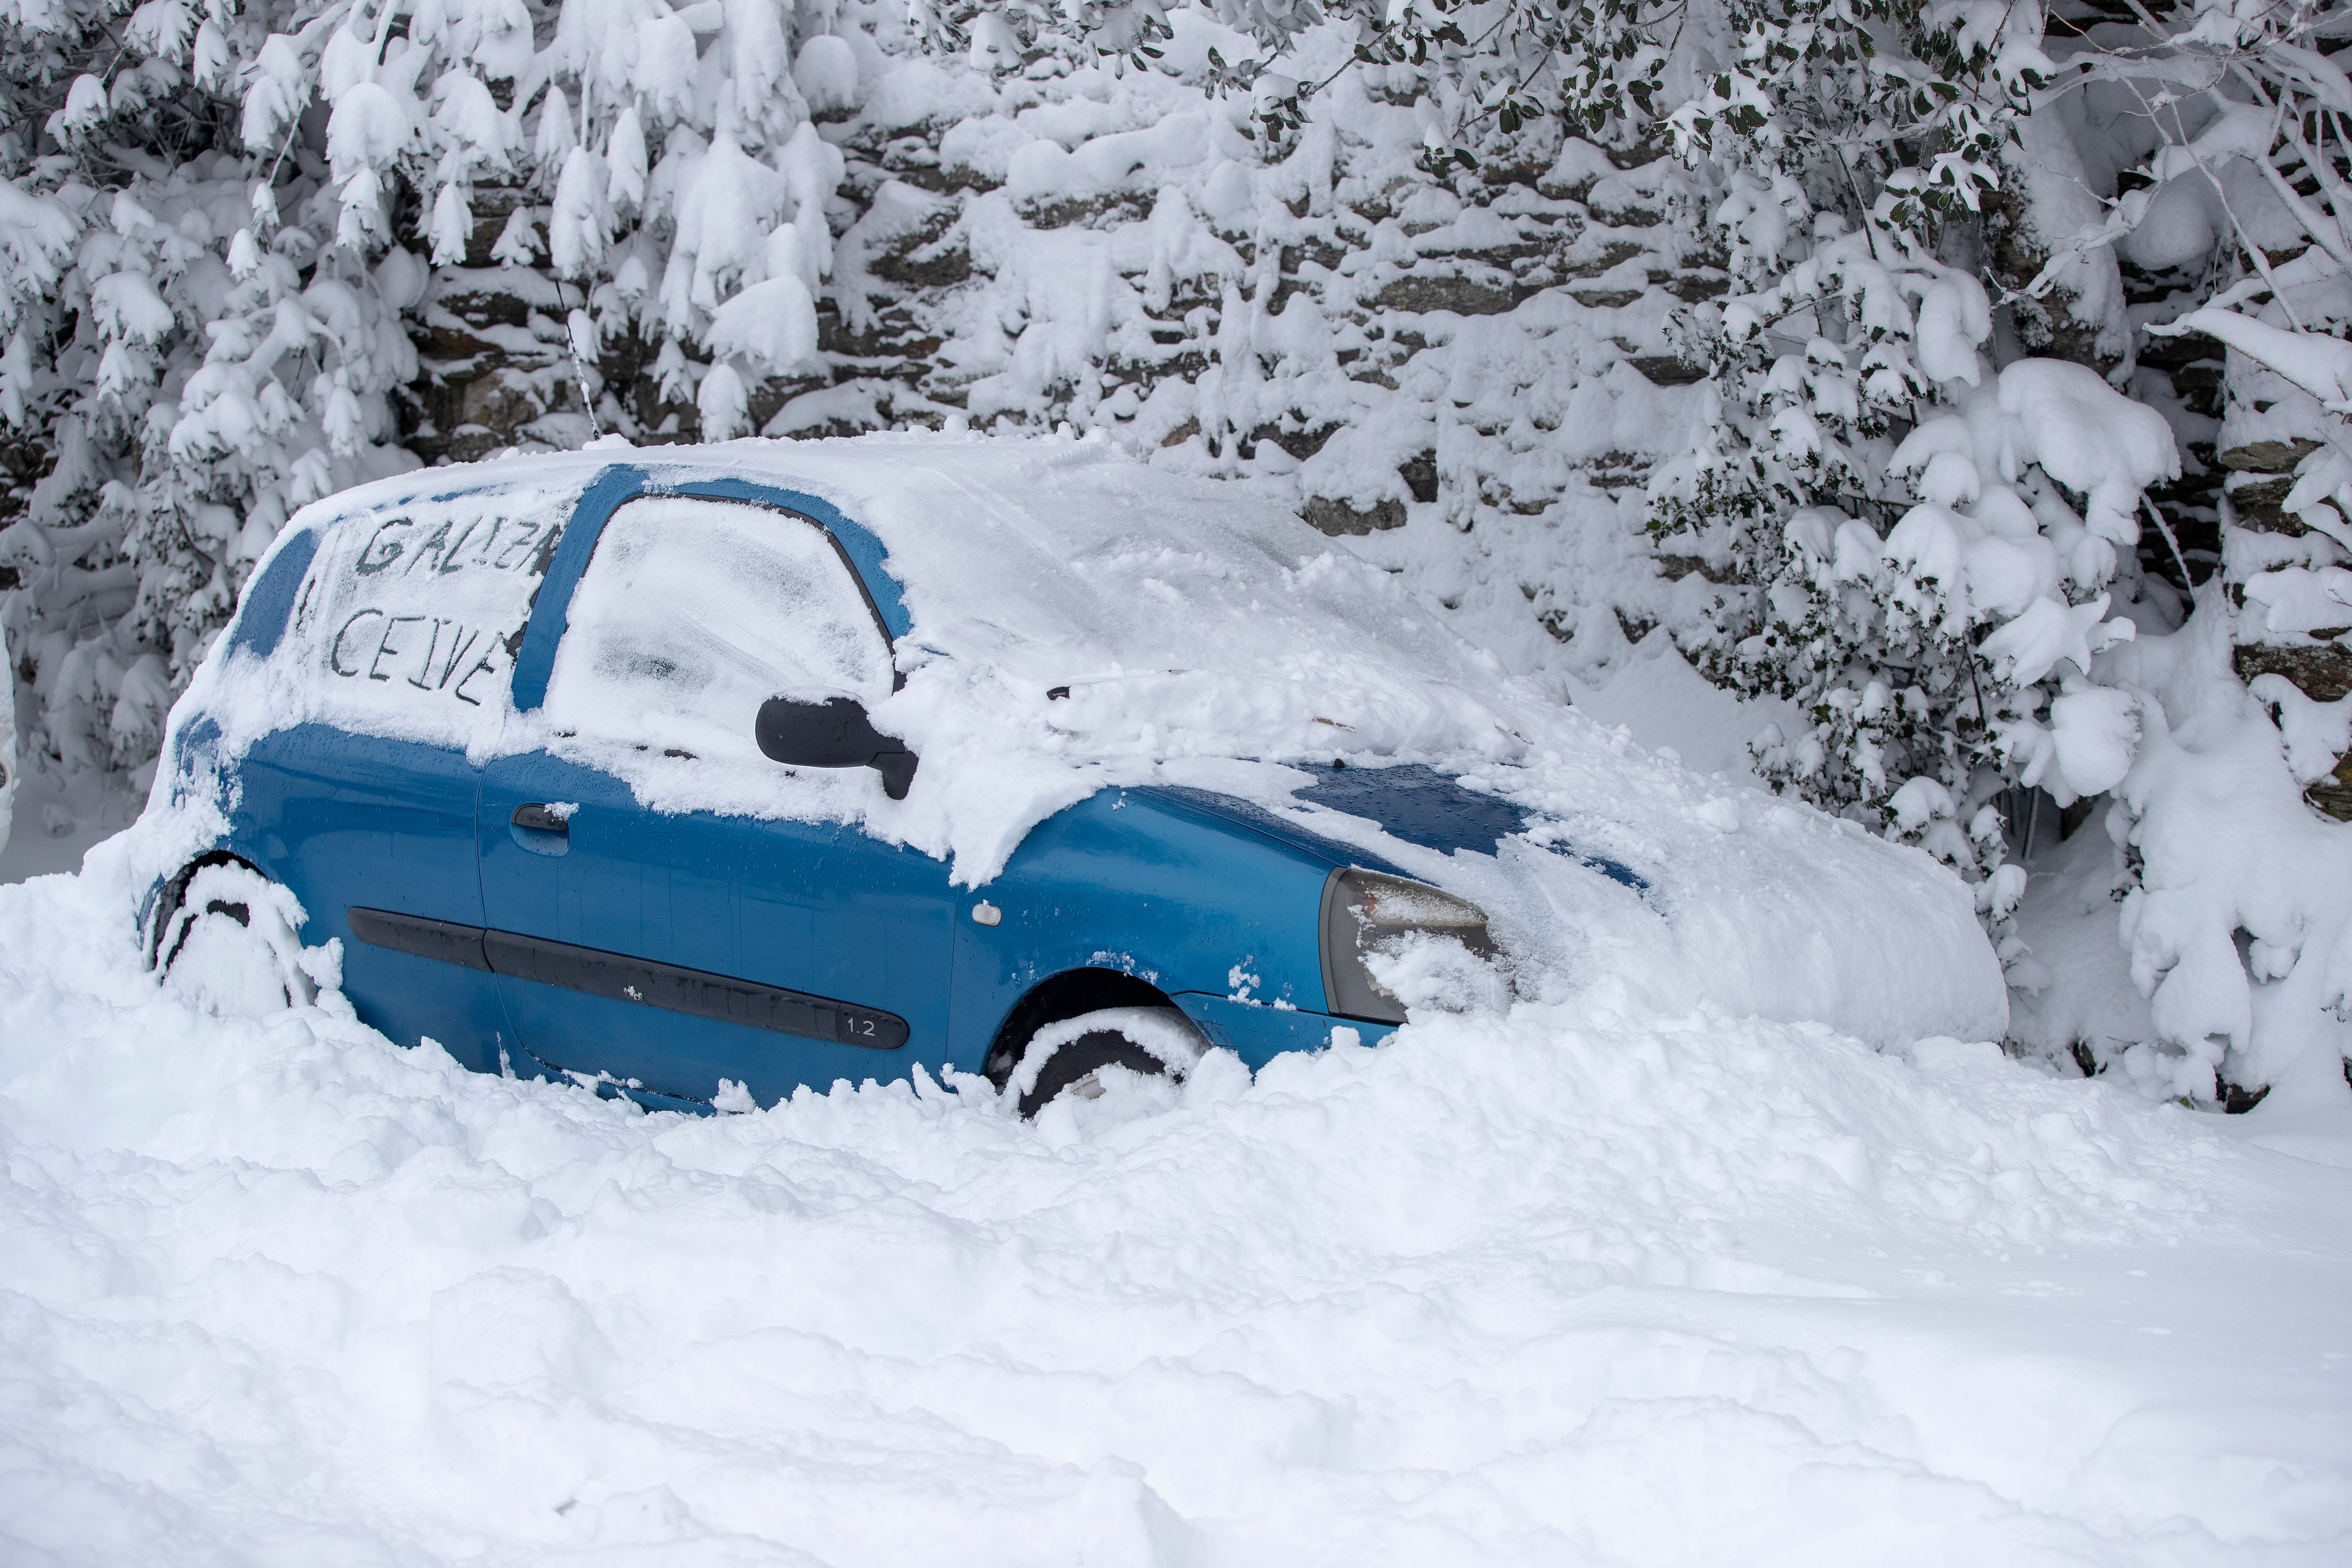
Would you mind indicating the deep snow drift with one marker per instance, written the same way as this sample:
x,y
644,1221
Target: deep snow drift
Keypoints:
x,y
1553,1288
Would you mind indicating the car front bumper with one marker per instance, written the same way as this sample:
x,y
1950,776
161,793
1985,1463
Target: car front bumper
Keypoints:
x,y
1257,1032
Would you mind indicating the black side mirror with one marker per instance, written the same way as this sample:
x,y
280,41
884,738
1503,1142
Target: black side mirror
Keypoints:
x,y
834,734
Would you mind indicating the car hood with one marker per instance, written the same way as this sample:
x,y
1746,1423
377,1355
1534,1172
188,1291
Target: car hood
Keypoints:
x,y
1412,804
1673,898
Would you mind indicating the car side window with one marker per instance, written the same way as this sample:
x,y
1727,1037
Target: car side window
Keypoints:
x,y
692,612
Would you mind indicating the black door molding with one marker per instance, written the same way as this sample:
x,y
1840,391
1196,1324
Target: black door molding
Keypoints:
x,y
619,977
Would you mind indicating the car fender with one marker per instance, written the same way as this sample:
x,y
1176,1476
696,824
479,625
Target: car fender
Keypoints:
x,y
1219,917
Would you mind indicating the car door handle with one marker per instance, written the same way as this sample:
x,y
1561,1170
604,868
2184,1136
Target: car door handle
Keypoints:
x,y
543,818
542,828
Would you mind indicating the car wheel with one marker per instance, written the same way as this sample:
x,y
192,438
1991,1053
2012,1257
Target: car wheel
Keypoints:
x,y
1064,1058
225,940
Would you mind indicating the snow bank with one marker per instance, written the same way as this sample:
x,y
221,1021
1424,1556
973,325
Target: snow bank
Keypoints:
x,y
1559,1288
1081,621
2240,932
2231,895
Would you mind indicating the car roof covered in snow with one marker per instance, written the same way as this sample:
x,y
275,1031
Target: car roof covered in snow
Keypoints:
x,y
1053,557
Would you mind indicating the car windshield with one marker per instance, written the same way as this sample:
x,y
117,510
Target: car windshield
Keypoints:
x,y
1100,608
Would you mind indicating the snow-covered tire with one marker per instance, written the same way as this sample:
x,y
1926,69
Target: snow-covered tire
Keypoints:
x,y
225,939
1062,1057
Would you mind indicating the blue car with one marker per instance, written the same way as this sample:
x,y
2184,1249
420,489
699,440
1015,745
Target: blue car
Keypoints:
x,y
703,774
589,771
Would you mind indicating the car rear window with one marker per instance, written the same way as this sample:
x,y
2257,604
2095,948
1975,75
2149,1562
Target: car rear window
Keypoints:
x,y
408,618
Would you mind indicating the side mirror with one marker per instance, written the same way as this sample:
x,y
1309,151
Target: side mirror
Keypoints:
x,y
834,734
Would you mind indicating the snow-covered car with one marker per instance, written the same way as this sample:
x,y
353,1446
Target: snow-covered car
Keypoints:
x,y
709,773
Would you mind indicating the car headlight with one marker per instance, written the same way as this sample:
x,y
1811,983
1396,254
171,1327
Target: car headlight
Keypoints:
x,y
1364,909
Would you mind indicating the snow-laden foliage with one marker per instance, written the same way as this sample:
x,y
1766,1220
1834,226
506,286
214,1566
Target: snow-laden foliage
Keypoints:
x,y
2225,126
184,343
2001,540
214,218
2244,122
1925,583
1781,79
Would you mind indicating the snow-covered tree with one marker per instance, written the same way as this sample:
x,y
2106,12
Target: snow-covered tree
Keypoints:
x,y
1930,547
214,220
185,341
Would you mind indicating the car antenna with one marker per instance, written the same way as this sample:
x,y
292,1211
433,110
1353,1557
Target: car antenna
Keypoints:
x,y
578,364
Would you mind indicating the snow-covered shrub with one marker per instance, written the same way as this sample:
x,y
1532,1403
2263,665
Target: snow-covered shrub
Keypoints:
x,y
2222,129
1932,547
1908,573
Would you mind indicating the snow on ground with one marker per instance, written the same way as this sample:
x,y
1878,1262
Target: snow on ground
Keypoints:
x,y
57,820
2068,918
1672,709
1558,1287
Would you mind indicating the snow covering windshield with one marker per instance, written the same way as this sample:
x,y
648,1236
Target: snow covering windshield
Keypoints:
x,y
1079,622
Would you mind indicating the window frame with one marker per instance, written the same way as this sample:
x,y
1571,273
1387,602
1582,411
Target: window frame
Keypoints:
x,y
548,621
840,555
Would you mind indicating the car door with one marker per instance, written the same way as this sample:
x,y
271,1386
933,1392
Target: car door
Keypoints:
x,y
400,634
669,910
